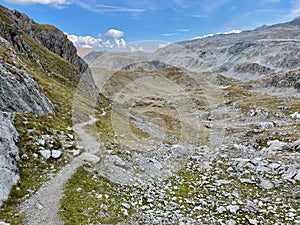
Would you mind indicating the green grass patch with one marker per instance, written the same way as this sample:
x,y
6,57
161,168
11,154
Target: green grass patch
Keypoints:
x,y
91,199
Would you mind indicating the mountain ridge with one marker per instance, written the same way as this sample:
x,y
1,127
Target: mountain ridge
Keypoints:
x,y
49,36
247,55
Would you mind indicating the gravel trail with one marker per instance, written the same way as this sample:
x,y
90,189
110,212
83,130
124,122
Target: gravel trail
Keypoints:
x,y
42,208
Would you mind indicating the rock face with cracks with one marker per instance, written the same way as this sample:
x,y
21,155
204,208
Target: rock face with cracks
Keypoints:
x,y
8,156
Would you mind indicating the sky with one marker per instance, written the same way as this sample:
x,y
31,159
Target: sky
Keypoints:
x,y
106,24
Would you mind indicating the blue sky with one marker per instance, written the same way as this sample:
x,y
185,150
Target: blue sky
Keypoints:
x,y
110,23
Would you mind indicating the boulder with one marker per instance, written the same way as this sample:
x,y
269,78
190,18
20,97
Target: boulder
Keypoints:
x,y
3,223
230,222
233,208
264,126
265,184
296,115
46,154
277,145
295,145
178,151
116,160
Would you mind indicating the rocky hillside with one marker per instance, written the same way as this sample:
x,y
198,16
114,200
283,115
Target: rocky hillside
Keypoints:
x,y
282,84
247,55
39,75
181,147
183,142
175,140
113,60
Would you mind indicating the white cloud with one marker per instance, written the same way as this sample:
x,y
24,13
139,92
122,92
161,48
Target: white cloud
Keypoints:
x,y
199,16
210,35
114,33
93,6
168,34
205,36
162,45
233,32
136,49
182,30
111,39
56,3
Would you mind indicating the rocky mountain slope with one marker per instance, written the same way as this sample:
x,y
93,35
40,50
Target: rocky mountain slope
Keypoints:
x,y
246,55
175,140
180,147
39,75
185,143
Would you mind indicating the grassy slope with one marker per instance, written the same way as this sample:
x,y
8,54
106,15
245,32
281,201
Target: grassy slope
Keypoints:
x,y
58,79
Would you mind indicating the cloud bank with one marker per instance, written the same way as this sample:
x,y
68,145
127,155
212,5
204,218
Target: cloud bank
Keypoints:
x,y
111,39
210,35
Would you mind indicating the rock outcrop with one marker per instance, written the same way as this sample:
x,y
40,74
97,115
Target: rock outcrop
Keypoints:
x,y
8,156
15,26
19,92
282,84
56,41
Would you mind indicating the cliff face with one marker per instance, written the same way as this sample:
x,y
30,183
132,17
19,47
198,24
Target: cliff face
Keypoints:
x,y
39,74
8,156
49,36
19,92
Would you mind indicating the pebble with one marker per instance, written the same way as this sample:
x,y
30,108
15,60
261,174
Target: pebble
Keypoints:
x,y
71,136
295,115
25,157
38,206
178,151
126,205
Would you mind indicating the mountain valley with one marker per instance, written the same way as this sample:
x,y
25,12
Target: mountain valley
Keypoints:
x,y
204,131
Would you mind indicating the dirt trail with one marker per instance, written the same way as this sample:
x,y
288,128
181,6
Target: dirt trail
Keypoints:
x,y
42,208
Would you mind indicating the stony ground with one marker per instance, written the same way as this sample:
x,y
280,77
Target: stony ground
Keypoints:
x,y
43,206
247,173
193,154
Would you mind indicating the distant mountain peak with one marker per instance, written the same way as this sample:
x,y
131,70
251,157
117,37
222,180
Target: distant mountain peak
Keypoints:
x,y
261,27
295,21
